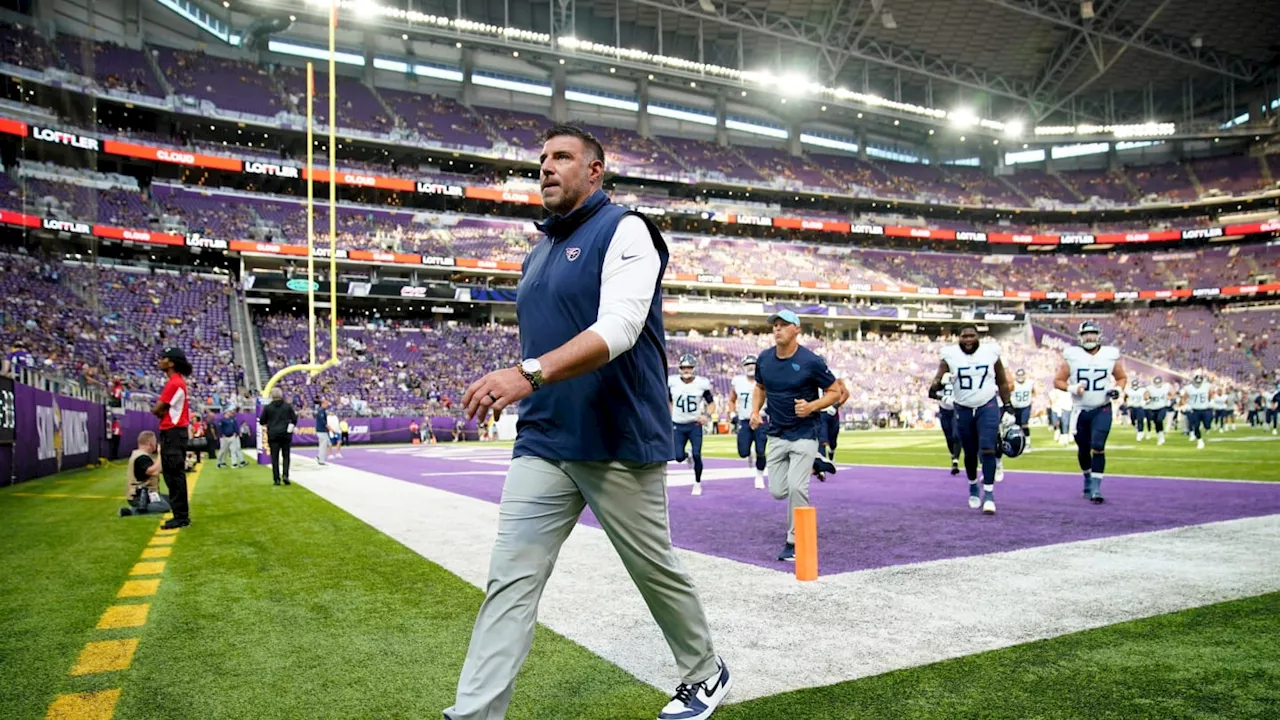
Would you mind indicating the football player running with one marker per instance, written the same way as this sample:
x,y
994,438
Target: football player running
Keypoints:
x,y
1091,372
749,441
687,393
946,419
1199,399
978,376
1023,391
1157,397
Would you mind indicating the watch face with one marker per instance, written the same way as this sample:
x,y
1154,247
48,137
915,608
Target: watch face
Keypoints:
x,y
531,366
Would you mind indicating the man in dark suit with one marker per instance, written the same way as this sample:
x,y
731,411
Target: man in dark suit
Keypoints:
x,y
279,418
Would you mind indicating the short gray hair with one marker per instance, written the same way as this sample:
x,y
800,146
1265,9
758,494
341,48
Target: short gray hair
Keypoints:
x,y
146,436
277,394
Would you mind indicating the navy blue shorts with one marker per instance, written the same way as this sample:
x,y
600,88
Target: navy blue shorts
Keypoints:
x,y
748,437
829,429
1157,415
1022,416
947,419
978,428
1092,426
1199,419
687,434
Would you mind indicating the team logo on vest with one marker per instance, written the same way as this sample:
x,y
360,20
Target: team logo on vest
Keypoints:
x,y
572,253
795,366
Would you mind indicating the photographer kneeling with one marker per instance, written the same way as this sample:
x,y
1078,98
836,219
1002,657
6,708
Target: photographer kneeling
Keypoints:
x,y
143,479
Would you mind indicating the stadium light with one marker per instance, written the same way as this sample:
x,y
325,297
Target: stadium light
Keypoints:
x,y
1014,128
962,118
790,85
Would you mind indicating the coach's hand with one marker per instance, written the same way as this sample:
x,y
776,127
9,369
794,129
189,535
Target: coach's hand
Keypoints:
x,y
756,421
494,392
803,408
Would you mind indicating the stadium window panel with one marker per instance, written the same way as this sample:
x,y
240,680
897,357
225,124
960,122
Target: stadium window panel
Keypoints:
x,y
601,99
679,114
1023,156
1067,151
305,51
513,84
755,129
827,141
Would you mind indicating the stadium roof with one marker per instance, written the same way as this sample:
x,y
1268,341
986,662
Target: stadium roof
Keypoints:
x,y
1133,59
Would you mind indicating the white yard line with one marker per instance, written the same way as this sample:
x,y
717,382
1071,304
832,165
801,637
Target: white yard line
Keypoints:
x,y
778,634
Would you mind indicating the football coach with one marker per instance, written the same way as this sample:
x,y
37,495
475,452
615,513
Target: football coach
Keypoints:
x,y
594,431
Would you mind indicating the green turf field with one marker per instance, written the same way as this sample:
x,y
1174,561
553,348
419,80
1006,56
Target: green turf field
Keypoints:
x,y
277,604
1241,454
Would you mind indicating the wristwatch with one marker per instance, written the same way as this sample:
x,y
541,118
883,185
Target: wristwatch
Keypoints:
x,y
532,371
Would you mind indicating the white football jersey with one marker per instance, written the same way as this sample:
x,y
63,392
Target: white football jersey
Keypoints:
x,y
1093,370
974,375
687,398
948,399
1157,396
835,409
1061,400
1021,395
1198,396
743,386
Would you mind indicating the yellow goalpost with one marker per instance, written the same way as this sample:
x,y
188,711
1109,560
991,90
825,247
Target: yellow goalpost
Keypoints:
x,y
312,367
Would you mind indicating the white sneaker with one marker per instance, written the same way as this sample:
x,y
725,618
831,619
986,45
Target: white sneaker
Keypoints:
x,y
759,481
1139,437
697,488
999,469
1200,445
1160,439
975,502
989,507
698,701
1273,432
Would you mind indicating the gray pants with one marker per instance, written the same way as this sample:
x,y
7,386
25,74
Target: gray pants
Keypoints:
x,y
541,501
322,436
229,448
790,462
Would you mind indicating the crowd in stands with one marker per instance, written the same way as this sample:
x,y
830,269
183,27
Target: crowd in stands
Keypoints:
x,y
99,324
387,367
1186,339
241,86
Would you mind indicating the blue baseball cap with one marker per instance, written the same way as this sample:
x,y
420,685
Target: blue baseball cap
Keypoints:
x,y
785,316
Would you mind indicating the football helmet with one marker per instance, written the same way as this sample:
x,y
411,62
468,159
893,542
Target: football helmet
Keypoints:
x,y
1012,440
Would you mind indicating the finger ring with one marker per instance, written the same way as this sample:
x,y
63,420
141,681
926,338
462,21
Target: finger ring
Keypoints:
x,y
491,397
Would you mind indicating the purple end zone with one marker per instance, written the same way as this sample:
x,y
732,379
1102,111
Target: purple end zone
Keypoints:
x,y
871,517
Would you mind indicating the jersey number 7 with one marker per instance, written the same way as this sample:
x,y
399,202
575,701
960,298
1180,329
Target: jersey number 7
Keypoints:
x,y
1095,384
966,378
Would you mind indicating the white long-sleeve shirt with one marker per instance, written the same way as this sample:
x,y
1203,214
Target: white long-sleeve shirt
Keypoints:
x,y
627,282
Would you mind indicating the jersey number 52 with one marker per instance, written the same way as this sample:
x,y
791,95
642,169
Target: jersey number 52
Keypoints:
x,y
1094,379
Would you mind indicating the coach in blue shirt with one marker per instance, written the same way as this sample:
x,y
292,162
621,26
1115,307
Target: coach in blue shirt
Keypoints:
x,y
797,384
594,430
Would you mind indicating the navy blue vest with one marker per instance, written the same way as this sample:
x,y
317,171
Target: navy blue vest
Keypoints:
x,y
619,411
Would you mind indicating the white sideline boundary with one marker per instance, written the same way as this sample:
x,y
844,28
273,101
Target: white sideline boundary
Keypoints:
x,y
779,635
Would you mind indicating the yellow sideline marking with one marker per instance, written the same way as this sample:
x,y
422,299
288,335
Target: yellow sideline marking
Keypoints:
x,y
105,656
110,655
99,705
123,616
147,568
138,588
